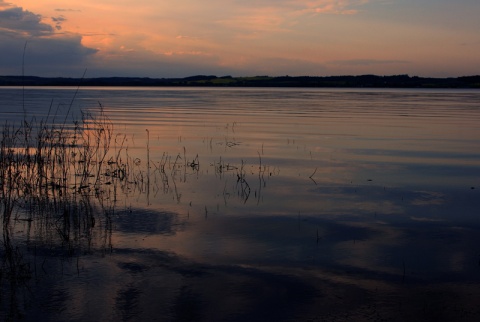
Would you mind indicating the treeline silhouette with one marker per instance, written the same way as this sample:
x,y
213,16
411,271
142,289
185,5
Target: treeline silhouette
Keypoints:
x,y
367,81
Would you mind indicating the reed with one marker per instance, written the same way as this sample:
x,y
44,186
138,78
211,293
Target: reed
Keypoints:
x,y
56,178
44,165
61,181
242,184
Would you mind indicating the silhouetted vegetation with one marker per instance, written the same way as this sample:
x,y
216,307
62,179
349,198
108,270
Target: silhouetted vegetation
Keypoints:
x,y
367,81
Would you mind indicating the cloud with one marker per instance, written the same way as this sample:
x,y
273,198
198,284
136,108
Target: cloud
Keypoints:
x,y
339,7
5,4
143,63
47,53
186,37
267,19
58,21
281,16
367,62
67,10
18,21
66,49
315,6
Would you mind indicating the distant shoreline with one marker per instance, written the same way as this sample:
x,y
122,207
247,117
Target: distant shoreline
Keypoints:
x,y
363,81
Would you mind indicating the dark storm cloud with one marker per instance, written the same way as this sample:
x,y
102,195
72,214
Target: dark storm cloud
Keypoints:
x,y
47,53
17,20
65,50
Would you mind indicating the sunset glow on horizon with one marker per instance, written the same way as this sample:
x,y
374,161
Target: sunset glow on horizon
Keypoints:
x,y
432,38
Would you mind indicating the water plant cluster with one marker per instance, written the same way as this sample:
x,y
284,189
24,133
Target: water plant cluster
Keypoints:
x,y
55,179
60,183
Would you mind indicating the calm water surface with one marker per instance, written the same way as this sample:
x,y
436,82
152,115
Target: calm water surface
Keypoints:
x,y
262,204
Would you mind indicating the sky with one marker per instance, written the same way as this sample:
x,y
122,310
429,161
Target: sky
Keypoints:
x,y
160,38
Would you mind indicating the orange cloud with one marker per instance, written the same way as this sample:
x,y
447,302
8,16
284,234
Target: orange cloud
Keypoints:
x,y
252,34
341,7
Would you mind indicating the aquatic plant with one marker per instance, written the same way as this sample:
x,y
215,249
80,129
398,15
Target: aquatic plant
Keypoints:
x,y
56,179
61,181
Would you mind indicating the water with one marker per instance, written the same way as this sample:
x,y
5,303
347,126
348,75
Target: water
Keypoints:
x,y
262,204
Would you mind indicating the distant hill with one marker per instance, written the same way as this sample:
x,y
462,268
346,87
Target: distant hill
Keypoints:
x,y
367,81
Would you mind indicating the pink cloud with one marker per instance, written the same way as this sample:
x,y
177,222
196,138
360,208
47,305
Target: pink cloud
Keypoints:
x,y
339,7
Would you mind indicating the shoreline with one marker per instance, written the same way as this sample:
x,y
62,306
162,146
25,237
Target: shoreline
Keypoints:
x,y
363,81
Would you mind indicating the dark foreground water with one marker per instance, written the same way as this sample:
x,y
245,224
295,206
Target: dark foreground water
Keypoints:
x,y
253,205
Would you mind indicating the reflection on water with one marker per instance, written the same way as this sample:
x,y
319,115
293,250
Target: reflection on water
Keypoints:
x,y
241,204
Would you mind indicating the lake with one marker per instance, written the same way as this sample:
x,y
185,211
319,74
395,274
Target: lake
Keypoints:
x,y
240,204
